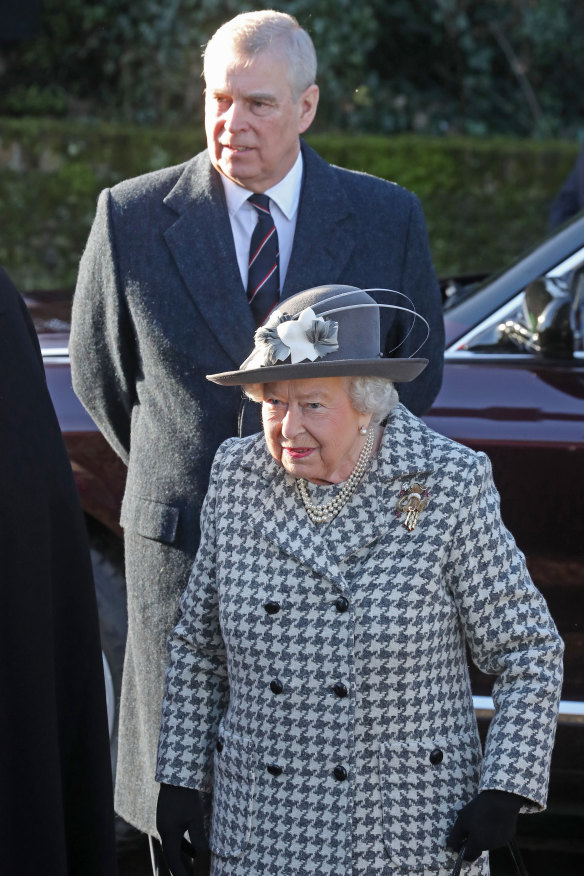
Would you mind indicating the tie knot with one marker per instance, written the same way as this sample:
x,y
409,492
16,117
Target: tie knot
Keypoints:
x,y
260,202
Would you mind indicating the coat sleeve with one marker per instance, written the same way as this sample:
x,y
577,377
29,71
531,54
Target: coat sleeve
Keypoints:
x,y
102,344
511,635
419,283
196,688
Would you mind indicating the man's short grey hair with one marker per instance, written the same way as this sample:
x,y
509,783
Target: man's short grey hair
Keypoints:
x,y
376,396
250,33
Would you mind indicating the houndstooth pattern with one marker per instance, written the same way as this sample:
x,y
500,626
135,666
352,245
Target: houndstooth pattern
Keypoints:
x,y
414,599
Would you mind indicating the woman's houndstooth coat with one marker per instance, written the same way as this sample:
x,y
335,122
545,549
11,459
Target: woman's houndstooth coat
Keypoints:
x,y
318,682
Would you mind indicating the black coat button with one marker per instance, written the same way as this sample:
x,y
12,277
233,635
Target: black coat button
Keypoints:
x,y
436,756
272,607
340,689
342,603
340,773
276,686
219,745
274,769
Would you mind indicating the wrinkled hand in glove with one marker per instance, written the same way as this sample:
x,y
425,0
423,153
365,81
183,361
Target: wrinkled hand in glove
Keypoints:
x,y
487,822
180,810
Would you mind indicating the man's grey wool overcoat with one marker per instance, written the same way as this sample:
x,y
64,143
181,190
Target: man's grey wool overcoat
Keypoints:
x,y
159,304
318,683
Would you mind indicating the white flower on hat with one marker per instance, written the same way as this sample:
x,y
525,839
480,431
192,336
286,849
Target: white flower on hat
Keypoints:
x,y
302,337
308,336
294,334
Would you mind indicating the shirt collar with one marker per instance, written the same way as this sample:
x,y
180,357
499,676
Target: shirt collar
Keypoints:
x,y
286,193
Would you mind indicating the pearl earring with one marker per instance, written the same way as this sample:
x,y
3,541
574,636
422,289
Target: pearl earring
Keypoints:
x,y
362,430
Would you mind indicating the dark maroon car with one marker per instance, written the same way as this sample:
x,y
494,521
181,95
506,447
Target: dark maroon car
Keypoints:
x,y
513,387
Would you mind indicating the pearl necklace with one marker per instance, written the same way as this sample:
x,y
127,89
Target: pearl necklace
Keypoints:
x,y
326,512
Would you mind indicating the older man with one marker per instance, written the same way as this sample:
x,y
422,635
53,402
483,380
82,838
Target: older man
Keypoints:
x,y
179,269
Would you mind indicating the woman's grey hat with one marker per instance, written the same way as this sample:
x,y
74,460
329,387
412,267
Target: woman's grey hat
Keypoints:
x,y
328,331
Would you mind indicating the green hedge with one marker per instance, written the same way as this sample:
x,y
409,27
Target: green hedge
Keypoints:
x,y
485,200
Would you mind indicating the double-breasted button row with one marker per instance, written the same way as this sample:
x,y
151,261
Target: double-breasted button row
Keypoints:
x,y
340,689
274,769
273,607
339,772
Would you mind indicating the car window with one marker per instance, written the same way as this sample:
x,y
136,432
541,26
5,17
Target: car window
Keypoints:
x,y
545,318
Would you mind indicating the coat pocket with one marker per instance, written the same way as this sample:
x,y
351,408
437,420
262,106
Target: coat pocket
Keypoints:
x,y
233,795
423,785
149,518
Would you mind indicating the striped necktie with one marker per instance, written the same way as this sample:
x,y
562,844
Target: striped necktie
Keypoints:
x,y
263,279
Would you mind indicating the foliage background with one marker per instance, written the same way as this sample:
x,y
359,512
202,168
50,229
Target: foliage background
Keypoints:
x,y
485,200
430,66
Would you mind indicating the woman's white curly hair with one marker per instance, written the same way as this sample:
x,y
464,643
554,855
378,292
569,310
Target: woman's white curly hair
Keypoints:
x,y
376,396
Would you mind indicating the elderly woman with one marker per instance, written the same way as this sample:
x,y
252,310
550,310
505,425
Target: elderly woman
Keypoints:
x,y
318,684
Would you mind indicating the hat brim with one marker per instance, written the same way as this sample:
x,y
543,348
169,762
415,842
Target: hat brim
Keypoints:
x,y
398,370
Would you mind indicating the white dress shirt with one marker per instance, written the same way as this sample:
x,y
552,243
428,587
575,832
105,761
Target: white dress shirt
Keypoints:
x,y
284,197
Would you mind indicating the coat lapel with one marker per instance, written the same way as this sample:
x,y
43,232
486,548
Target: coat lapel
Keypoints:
x,y
277,513
404,457
324,239
201,243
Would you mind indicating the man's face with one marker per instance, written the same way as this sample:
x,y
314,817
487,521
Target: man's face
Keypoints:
x,y
252,121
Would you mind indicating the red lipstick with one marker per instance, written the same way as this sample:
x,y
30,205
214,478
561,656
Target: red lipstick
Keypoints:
x,y
298,452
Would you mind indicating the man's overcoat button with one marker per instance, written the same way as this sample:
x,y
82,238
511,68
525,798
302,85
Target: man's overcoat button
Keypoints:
x,y
340,689
340,773
276,686
274,769
436,756
272,607
342,603
219,745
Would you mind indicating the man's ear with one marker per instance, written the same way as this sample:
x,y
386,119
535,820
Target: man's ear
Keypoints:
x,y
308,105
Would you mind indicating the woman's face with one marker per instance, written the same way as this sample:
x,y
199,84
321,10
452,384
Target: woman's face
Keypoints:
x,y
312,428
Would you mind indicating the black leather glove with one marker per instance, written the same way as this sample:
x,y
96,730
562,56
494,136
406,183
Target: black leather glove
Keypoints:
x,y
487,822
180,810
